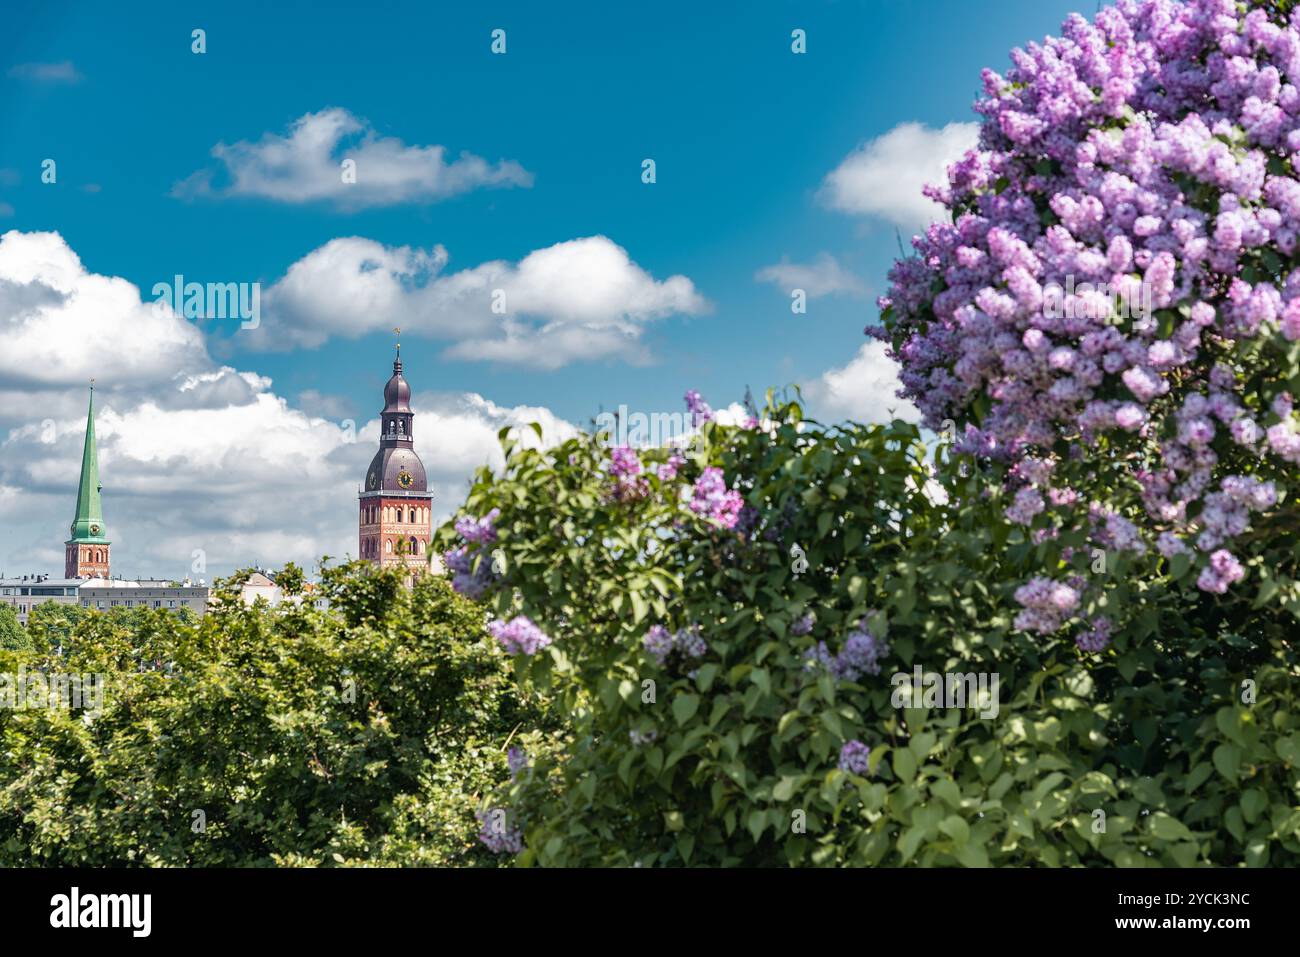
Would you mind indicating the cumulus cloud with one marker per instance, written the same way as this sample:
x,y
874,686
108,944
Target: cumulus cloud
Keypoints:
x,y
306,165
864,390
577,300
823,277
885,176
62,72
205,468
60,323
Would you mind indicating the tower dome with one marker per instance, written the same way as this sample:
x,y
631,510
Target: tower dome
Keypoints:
x,y
397,394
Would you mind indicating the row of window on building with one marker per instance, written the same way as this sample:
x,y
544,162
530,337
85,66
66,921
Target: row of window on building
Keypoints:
x,y
395,514
414,546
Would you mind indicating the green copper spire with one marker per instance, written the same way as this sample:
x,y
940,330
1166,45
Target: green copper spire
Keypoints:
x,y
88,526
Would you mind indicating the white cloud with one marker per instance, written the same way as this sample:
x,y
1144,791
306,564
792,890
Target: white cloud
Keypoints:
x,y
823,277
305,166
884,177
63,72
207,460
577,300
60,323
864,390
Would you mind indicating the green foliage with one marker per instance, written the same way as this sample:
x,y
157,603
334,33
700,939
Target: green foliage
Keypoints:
x,y
362,735
12,635
50,625
1178,745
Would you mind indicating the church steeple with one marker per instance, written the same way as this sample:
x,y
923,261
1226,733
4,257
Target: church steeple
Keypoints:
x,y
86,551
395,517
397,419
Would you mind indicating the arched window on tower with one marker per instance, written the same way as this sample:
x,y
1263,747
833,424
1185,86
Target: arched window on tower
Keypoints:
x,y
388,547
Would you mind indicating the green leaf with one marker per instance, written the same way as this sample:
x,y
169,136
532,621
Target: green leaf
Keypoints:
x,y
1169,829
1227,758
956,828
784,788
904,765
685,706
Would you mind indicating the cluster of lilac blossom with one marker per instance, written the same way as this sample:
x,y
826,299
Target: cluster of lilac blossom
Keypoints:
x,y
516,760
470,564
860,655
854,757
803,625
496,836
479,531
1096,636
699,409
1045,604
519,636
1144,153
711,498
1222,572
625,469
668,470
659,643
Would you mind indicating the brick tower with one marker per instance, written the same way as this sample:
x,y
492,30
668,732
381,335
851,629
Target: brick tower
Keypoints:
x,y
395,505
86,551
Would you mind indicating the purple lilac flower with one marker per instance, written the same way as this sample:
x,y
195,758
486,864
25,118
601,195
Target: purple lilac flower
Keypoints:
x,y
711,498
1096,636
854,757
519,636
668,470
1028,503
698,408
660,643
1046,605
803,625
478,531
863,649
1160,135
471,568
516,760
624,461
496,834
1223,571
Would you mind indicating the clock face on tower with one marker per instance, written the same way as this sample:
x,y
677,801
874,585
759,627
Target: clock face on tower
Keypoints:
x,y
404,479
94,529
373,482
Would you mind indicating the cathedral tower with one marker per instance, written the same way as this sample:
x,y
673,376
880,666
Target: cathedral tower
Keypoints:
x,y
86,552
395,514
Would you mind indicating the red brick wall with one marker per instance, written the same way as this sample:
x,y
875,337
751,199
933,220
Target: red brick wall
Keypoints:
x,y
377,525
86,561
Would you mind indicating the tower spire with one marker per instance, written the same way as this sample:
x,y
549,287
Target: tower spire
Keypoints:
x,y
87,547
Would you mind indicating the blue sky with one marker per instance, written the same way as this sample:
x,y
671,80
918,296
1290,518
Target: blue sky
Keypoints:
x,y
743,132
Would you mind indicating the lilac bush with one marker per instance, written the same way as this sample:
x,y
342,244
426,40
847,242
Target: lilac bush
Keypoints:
x,y
1113,313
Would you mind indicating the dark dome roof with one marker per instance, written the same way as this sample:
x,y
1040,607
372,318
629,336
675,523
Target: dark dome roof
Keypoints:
x,y
388,464
397,394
